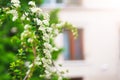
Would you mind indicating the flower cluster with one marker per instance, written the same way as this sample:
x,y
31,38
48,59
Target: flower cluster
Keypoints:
x,y
37,39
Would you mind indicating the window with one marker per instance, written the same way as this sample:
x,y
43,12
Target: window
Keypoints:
x,y
73,47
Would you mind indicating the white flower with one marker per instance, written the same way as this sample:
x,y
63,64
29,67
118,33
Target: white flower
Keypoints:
x,y
14,18
49,30
45,22
46,51
38,63
32,3
46,16
27,26
26,14
14,13
27,63
48,55
16,3
35,10
25,34
30,65
45,37
14,30
41,28
30,40
38,21
28,19
47,45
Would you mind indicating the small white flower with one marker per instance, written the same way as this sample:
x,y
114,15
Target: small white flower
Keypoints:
x,y
46,51
45,22
27,26
41,28
48,55
14,13
28,19
14,18
46,16
14,30
32,3
38,21
35,10
47,45
27,63
30,65
49,30
16,3
30,40
26,14
45,37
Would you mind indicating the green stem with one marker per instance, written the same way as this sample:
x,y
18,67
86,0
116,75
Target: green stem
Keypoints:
x,y
29,75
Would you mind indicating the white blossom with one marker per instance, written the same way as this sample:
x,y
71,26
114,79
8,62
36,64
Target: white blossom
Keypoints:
x,y
48,55
27,26
30,65
41,28
16,3
49,30
14,13
27,63
25,34
47,45
46,51
46,16
14,30
38,21
45,22
45,37
32,3
35,10
30,40
37,61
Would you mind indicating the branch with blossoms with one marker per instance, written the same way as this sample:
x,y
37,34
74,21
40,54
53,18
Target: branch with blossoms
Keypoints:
x,y
37,40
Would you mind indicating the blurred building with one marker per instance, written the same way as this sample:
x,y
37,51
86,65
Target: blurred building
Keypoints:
x,y
95,54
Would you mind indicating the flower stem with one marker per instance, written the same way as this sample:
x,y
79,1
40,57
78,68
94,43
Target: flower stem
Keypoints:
x,y
30,73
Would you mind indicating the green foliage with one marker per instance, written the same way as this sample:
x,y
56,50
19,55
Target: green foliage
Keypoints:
x,y
54,19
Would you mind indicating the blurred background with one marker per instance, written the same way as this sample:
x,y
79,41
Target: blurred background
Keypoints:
x,y
94,55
